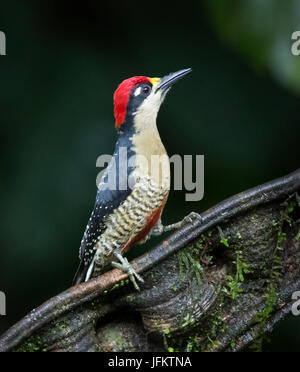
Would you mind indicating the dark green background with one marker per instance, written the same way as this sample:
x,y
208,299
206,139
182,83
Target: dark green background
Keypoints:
x,y
240,108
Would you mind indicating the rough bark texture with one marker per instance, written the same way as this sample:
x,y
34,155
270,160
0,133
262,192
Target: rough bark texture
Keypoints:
x,y
216,285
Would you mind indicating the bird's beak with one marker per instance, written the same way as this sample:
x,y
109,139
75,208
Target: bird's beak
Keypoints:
x,y
168,80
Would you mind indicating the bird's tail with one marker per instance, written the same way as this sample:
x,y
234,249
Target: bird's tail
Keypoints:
x,y
80,273
84,272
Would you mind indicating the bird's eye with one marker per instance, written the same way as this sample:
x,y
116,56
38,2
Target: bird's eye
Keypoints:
x,y
146,89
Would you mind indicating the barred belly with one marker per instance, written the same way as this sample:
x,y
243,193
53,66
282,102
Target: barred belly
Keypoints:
x,y
129,220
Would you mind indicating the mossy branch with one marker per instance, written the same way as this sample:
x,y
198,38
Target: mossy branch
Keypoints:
x,y
216,285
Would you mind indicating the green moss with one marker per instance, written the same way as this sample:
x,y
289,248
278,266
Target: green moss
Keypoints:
x,y
239,235
277,262
276,270
167,339
32,345
288,208
298,236
188,320
271,301
167,331
262,318
189,261
189,258
297,199
223,239
233,285
62,325
205,338
122,283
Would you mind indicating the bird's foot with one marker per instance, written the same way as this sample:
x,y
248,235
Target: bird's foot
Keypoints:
x,y
159,229
126,267
190,218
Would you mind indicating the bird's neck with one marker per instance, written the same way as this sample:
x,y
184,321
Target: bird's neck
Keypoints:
x,y
147,142
151,156
142,139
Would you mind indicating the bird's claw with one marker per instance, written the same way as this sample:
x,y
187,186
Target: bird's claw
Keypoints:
x,y
192,216
133,275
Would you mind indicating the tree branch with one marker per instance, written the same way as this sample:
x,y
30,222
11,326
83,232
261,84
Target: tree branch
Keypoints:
x,y
186,280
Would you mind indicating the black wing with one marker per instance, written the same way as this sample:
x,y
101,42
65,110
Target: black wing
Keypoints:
x,y
106,201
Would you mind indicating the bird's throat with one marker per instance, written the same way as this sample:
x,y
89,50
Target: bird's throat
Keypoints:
x,y
152,158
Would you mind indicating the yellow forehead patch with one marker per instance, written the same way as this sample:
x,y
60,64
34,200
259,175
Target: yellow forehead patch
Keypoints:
x,y
154,81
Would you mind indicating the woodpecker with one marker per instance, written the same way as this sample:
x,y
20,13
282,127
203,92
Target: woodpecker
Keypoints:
x,y
124,216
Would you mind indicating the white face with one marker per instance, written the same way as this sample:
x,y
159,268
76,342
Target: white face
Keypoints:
x,y
146,113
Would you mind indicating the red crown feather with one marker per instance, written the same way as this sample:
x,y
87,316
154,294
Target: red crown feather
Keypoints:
x,y
122,94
